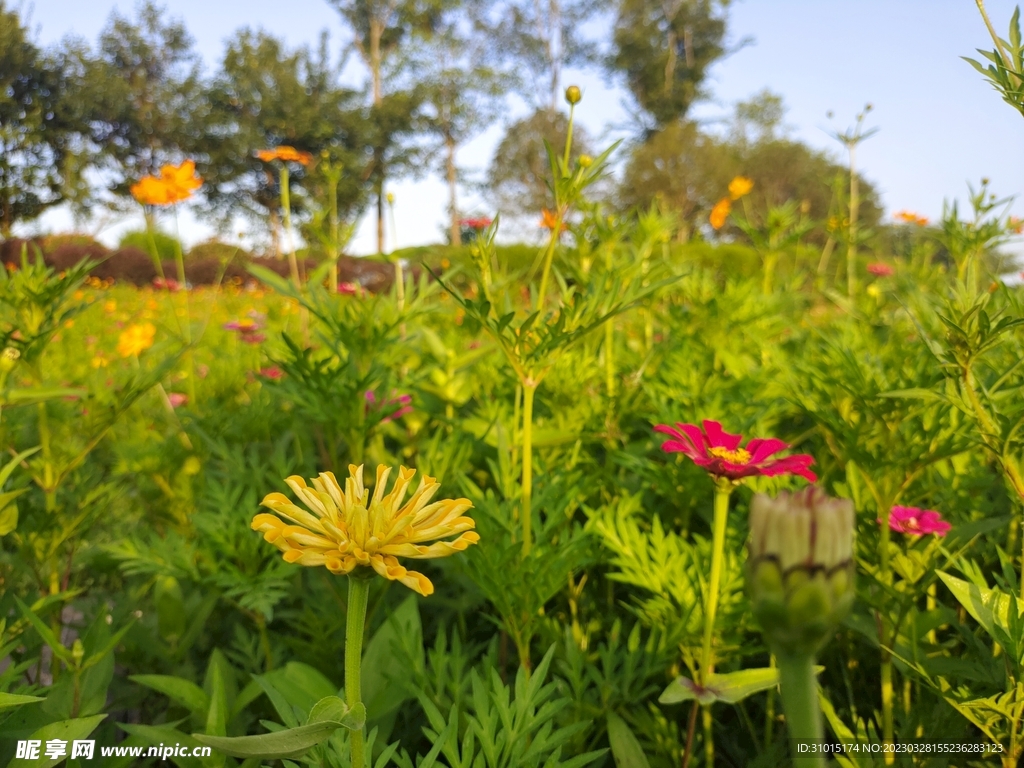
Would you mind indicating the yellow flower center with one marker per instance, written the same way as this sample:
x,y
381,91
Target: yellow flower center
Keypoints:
x,y
739,456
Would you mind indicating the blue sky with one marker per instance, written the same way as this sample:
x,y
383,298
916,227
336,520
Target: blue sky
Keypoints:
x,y
940,125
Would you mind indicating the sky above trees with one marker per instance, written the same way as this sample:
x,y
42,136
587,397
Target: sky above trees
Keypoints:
x,y
941,125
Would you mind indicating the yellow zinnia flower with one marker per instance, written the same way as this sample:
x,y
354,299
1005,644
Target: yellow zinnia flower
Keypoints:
x,y
135,339
349,528
739,187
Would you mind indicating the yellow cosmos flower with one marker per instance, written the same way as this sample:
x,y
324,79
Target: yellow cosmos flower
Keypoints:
x,y
349,528
135,339
739,187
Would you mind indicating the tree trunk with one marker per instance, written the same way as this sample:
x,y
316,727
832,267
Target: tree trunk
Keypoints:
x,y
380,219
453,200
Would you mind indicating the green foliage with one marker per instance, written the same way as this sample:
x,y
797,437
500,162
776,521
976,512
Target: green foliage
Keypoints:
x,y
167,246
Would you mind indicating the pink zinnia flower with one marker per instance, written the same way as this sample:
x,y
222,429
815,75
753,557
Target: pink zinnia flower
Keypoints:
x,y
166,283
349,289
176,399
272,372
401,401
248,328
917,522
881,270
720,455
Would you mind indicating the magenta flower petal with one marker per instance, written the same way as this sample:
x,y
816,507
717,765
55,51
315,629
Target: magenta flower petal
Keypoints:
x,y
719,453
914,521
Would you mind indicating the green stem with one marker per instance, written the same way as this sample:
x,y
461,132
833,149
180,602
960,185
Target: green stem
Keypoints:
x,y
800,702
887,700
851,249
549,256
179,260
49,487
886,661
358,591
769,714
332,197
529,389
609,335
770,260
723,488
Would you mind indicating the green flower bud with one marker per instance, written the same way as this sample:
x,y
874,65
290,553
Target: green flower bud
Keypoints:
x,y
586,161
8,359
573,94
77,652
800,569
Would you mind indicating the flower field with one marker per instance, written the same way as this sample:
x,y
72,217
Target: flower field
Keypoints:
x,y
743,496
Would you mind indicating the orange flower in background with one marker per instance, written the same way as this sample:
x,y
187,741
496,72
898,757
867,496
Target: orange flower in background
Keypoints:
x,y
175,184
285,155
739,187
135,339
909,217
548,220
720,213
1015,225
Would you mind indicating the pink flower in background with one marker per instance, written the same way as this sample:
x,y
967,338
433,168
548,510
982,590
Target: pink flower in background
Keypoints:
x,y
272,372
477,223
881,270
349,289
248,327
917,522
176,399
720,455
400,403
169,284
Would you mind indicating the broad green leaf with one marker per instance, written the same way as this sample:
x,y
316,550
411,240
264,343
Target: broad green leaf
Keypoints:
x,y
989,607
217,715
179,690
728,688
291,742
15,700
330,708
65,730
625,748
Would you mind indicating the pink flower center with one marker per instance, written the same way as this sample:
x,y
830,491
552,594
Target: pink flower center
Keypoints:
x,y
739,456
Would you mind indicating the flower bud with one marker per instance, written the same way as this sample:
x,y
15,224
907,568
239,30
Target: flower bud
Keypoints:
x,y
573,94
800,569
8,359
78,651
391,198
586,161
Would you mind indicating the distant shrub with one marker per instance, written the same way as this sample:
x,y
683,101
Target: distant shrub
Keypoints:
x,y
166,245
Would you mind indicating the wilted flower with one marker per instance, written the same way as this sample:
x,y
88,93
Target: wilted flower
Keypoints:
x,y
719,454
739,187
175,184
909,217
800,568
348,529
720,213
881,270
285,154
917,522
135,339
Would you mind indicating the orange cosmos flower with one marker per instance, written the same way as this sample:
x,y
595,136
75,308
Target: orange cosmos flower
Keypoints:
x,y
175,184
136,339
909,217
549,219
720,213
739,187
285,154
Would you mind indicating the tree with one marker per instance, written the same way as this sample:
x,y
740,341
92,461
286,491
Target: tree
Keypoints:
x,y
664,49
264,96
520,172
536,40
689,170
379,29
31,126
149,99
461,94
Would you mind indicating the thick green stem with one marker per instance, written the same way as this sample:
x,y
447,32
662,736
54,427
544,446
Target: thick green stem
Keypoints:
x,y
358,591
529,389
800,702
723,488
